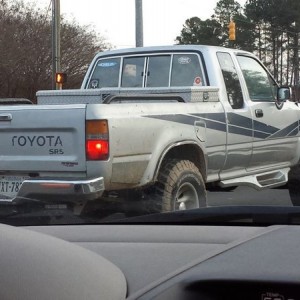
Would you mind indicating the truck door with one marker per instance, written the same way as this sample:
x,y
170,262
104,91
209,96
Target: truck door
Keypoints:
x,y
275,126
238,118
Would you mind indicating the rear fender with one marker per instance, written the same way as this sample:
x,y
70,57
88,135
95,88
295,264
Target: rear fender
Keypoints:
x,y
181,150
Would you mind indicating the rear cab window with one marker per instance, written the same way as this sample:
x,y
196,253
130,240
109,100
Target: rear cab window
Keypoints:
x,y
158,71
148,71
106,73
133,72
186,70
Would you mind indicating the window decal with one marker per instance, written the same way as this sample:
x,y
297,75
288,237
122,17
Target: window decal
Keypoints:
x,y
107,64
94,83
198,81
184,60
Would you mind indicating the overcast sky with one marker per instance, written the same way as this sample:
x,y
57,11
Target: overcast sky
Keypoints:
x,y
115,19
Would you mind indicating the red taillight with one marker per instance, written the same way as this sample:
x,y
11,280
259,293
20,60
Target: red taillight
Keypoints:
x,y
97,143
97,149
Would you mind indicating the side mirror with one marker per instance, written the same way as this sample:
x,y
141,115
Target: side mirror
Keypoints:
x,y
283,94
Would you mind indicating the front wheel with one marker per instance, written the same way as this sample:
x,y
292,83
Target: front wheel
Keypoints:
x,y
180,186
294,185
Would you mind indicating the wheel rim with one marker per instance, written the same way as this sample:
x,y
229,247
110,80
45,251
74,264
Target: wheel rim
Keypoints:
x,y
186,197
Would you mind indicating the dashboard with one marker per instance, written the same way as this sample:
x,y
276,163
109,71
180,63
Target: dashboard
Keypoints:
x,y
150,262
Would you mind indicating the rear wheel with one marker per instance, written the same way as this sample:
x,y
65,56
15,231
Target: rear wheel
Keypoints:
x,y
180,186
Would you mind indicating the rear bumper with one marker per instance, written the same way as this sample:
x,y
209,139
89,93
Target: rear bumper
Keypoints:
x,y
69,190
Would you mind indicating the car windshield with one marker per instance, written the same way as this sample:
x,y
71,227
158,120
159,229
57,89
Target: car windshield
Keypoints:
x,y
173,112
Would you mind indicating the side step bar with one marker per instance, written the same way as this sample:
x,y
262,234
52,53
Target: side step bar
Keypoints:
x,y
261,181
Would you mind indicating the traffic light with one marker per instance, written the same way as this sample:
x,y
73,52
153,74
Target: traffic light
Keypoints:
x,y
60,78
231,31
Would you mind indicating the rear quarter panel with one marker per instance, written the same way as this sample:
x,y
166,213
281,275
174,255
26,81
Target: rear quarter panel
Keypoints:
x,y
141,133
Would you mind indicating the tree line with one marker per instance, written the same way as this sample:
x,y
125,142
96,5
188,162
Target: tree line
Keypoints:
x,y
26,49
268,28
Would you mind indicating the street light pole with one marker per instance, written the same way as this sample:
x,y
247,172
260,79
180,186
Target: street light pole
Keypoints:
x,y
55,42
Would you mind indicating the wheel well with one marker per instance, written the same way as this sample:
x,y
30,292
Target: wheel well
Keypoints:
x,y
189,152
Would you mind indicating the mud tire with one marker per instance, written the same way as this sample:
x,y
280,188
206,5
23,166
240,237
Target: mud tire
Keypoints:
x,y
294,185
179,186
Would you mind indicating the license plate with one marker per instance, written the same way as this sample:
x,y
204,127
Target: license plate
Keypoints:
x,y
10,185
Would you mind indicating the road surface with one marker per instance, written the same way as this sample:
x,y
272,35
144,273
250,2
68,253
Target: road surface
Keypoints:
x,y
249,196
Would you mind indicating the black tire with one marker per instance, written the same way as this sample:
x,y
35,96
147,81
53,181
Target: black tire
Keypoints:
x,y
179,186
294,185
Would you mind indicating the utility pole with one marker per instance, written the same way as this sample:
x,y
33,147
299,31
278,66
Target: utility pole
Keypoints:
x,y
296,61
296,53
55,42
139,39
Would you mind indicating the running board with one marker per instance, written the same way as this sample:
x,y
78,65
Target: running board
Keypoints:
x,y
261,181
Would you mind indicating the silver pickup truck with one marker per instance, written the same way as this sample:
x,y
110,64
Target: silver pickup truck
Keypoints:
x,y
171,121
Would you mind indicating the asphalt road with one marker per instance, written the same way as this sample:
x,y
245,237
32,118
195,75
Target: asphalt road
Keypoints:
x,y
119,207
249,196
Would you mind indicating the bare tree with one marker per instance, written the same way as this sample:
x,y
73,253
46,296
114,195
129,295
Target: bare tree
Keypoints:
x,y
25,50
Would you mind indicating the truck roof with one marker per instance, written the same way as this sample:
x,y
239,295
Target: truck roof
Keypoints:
x,y
202,48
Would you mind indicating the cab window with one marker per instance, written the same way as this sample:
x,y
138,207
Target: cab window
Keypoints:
x,y
186,70
158,71
231,80
133,72
106,73
261,86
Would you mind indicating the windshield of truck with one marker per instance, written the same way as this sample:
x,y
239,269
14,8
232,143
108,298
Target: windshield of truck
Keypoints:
x,y
182,124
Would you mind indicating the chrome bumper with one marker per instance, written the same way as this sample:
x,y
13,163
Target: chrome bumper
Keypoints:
x,y
69,190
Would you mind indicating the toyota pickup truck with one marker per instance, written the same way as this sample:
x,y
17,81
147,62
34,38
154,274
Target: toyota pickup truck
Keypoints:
x,y
172,121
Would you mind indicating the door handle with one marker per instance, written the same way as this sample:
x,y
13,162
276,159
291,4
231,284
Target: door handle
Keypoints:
x,y
5,117
259,113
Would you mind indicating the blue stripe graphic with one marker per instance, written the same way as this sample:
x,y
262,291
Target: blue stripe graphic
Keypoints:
x,y
236,124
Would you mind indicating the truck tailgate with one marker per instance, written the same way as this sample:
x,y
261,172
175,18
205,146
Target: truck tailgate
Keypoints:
x,y
42,138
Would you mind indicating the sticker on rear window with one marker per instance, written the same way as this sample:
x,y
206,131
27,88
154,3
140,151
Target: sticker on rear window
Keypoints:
x,y
183,60
94,83
107,64
197,80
